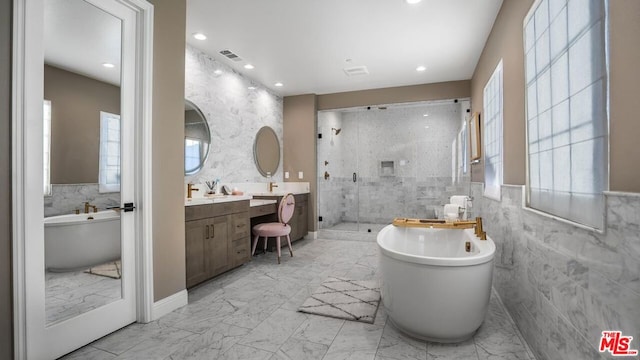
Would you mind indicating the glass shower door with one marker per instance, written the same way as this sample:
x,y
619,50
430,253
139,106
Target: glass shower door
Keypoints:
x,y
338,193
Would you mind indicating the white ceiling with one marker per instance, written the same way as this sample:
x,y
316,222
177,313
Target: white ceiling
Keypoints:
x,y
304,43
79,37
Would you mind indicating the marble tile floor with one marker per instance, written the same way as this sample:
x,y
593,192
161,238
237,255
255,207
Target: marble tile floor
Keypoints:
x,y
68,294
250,313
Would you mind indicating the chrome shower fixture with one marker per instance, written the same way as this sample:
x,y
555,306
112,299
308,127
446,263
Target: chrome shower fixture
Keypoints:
x,y
336,131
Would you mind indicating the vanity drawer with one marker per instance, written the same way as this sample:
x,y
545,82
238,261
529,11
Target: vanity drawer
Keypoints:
x,y
204,211
239,226
240,252
262,210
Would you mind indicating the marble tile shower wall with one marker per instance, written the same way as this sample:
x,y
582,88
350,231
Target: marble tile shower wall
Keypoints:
x,y
419,147
564,285
234,114
65,199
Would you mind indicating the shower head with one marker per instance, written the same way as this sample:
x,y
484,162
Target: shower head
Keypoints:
x,y
337,131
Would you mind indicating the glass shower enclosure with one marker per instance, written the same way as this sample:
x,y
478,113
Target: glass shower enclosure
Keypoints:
x,y
378,163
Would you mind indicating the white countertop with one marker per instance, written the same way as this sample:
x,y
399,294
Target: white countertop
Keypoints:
x,y
279,193
260,202
250,190
215,199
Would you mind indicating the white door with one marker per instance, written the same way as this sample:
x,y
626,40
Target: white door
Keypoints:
x,y
79,270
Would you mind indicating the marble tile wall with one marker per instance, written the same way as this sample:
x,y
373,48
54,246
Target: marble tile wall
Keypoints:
x,y
65,198
234,114
562,284
419,146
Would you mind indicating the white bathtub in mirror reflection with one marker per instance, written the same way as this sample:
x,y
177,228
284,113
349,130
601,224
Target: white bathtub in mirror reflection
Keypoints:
x,y
78,241
431,287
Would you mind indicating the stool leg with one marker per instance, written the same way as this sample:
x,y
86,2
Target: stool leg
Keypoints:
x,y
278,246
266,239
255,243
289,243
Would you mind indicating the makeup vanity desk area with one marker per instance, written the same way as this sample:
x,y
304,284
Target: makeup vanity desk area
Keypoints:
x,y
218,231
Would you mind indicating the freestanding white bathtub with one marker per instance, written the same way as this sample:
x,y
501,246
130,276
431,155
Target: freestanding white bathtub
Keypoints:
x,y
431,288
73,242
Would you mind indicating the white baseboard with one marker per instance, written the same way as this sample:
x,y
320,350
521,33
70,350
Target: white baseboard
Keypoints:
x,y
311,235
168,304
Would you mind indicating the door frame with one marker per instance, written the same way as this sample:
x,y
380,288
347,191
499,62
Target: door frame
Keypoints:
x,y
27,95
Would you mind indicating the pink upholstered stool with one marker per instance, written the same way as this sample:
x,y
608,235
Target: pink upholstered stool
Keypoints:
x,y
276,229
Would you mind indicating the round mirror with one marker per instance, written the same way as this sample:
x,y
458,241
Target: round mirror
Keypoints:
x,y
196,138
266,151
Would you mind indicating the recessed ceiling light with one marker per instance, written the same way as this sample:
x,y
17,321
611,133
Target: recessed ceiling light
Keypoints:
x,y
249,66
425,115
421,68
411,2
200,36
251,88
279,84
108,65
218,72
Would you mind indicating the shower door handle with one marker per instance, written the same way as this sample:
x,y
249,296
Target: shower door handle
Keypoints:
x,y
355,177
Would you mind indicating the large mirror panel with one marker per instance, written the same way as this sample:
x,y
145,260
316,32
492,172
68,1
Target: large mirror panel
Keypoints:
x,y
82,158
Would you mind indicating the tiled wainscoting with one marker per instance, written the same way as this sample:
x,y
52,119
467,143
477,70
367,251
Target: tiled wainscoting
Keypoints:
x,y
379,200
562,284
65,199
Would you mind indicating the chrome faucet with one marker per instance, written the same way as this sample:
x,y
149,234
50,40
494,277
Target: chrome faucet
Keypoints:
x,y
272,185
190,190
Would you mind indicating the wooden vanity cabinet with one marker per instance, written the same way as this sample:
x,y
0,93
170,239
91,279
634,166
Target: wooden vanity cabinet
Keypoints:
x,y
216,239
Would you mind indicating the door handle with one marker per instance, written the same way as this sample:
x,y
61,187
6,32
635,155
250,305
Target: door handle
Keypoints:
x,y
355,177
128,207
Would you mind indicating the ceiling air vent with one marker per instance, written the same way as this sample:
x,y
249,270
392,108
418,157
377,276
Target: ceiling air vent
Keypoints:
x,y
230,55
356,70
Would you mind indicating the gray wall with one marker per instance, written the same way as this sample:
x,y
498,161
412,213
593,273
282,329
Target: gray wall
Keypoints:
x,y
169,276
6,293
76,102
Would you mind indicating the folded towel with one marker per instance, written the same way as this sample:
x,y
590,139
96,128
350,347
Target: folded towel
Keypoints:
x,y
451,211
460,200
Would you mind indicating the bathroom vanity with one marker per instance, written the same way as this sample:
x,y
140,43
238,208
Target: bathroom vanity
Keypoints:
x,y
217,238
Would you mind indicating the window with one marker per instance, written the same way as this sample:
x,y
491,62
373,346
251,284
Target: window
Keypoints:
x,y
566,96
109,171
492,129
46,147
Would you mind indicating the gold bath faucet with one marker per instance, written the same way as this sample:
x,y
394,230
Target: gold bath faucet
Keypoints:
x,y
88,206
272,185
190,190
479,232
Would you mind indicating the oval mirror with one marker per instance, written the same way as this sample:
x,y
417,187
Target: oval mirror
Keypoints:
x,y
266,151
197,138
